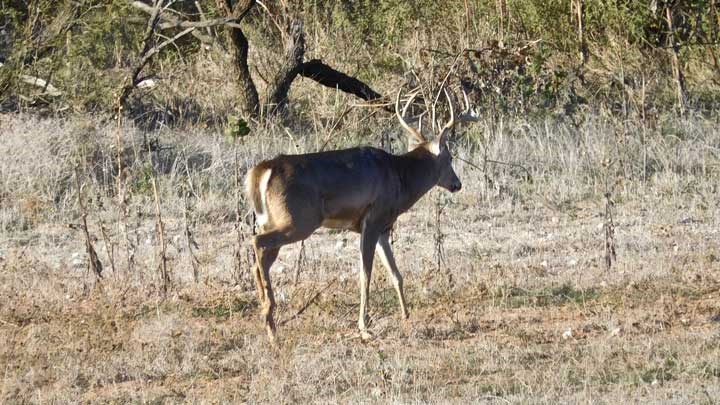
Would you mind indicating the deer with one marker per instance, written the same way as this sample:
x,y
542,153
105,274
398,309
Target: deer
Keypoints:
x,y
361,189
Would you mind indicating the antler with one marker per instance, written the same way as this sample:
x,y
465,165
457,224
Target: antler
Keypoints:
x,y
451,122
467,115
414,132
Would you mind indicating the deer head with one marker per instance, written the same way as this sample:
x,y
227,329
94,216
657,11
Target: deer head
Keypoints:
x,y
438,146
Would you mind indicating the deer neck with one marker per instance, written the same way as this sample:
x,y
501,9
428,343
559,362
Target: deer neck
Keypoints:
x,y
418,174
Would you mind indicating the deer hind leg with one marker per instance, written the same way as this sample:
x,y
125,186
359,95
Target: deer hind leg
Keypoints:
x,y
259,287
265,258
388,261
267,247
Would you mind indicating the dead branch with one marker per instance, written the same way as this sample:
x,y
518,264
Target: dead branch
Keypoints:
x,y
309,302
164,274
154,50
48,88
202,16
314,70
150,51
279,88
191,243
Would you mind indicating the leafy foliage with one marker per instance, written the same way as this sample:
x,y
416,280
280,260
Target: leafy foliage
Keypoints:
x,y
85,48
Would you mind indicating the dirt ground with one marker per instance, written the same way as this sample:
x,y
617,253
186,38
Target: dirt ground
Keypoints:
x,y
541,327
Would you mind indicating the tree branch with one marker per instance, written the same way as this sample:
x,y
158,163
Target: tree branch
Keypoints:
x,y
170,21
295,53
146,58
315,70
130,84
177,23
248,98
323,74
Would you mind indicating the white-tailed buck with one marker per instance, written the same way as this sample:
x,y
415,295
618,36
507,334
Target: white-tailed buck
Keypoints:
x,y
360,189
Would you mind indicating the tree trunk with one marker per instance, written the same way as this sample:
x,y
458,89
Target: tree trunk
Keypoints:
x,y
248,99
295,53
580,13
674,50
500,9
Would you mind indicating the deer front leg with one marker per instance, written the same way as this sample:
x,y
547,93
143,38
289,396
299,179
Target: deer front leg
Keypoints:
x,y
388,260
368,240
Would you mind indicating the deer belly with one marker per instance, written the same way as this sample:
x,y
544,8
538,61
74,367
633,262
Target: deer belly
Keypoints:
x,y
339,223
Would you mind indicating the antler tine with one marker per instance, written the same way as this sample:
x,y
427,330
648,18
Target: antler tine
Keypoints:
x,y
451,122
420,118
400,115
468,114
465,98
411,98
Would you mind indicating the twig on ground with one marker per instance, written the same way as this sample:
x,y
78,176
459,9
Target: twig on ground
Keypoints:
x,y
309,302
191,243
9,323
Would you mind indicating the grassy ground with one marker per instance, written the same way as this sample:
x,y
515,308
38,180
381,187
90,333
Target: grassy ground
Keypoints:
x,y
521,309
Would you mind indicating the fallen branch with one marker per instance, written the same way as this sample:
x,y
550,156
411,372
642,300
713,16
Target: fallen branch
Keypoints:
x,y
9,323
49,89
308,303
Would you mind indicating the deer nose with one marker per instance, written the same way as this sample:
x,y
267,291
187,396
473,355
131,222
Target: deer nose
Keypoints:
x,y
455,187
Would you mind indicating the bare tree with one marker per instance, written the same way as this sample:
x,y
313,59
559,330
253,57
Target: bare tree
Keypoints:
x,y
248,97
249,101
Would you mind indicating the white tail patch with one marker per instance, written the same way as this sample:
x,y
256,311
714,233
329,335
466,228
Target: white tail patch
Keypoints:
x,y
262,217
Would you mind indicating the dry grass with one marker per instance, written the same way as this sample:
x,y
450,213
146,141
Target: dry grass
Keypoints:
x,y
533,315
